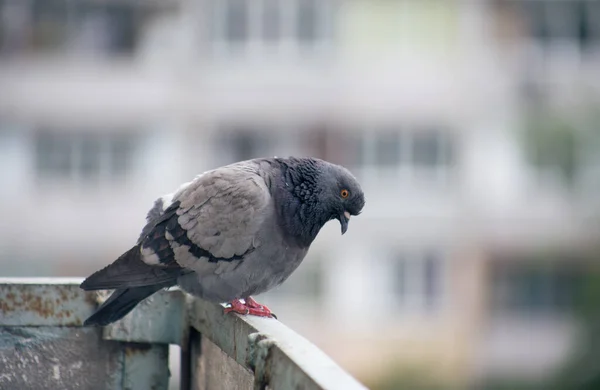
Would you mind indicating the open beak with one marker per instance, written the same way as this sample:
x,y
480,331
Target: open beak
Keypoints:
x,y
344,219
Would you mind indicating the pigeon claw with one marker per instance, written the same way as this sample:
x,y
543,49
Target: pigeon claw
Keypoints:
x,y
251,307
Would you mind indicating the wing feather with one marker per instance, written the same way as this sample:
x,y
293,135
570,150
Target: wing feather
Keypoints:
x,y
213,220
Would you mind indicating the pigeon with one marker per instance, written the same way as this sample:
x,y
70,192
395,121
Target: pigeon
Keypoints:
x,y
230,233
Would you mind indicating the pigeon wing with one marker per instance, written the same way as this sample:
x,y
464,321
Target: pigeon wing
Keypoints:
x,y
212,224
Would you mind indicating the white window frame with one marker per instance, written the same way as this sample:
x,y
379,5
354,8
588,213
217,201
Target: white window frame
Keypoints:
x,y
66,47
562,54
255,45
74,172
406,170
414,300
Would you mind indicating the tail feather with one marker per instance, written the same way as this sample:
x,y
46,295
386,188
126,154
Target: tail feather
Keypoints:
x,y
129,270
120,303
133,281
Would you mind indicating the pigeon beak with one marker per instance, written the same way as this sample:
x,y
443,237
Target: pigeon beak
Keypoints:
x,y
344,219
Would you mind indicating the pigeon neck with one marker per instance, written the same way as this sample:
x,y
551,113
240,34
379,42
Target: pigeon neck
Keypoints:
x,y
299,211
300,229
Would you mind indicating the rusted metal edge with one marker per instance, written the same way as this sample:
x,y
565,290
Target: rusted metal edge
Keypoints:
x,y
42,281
279,357
160,319
44,302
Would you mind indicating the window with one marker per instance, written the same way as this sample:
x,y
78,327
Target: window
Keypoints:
x,y
418,280
426,149
381,148
271,20
523,288
236,21
316,141
67,26
14,19
82,157
431,279
327,142
387,149
49,24
552,147
573,22
401,280
307,20
239,143
258,25
414,153
53,154
247,145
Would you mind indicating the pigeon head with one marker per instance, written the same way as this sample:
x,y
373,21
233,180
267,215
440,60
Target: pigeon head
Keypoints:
x,y
314,192
340,194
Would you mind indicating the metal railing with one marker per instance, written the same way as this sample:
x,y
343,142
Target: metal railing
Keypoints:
x,y
43,344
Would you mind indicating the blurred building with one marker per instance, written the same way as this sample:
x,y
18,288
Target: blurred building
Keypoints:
x,y
471,124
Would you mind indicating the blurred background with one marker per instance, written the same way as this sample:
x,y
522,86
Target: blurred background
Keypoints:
x,y
473,126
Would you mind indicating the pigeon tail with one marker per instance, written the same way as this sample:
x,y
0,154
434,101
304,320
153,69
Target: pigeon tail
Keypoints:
x,y
120,303
133,281
129,270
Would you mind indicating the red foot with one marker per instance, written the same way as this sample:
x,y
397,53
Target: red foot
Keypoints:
x,y
250,307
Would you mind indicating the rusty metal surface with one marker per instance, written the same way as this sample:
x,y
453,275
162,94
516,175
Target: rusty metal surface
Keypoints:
x,y
279,357
161,318
67,358
44,346
58,358
44,302
60,302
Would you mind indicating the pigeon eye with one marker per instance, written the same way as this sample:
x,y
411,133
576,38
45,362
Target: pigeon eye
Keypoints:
x,y
344,193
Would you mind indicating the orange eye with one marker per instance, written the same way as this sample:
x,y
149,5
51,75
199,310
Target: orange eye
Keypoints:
x,y
344,194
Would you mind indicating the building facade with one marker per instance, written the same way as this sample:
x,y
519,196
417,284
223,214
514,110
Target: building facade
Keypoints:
x,y
105,106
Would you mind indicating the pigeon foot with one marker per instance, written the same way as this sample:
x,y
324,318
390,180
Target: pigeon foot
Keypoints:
x,y
251,307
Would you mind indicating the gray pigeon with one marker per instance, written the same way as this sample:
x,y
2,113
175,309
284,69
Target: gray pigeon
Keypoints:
x,y
230,233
